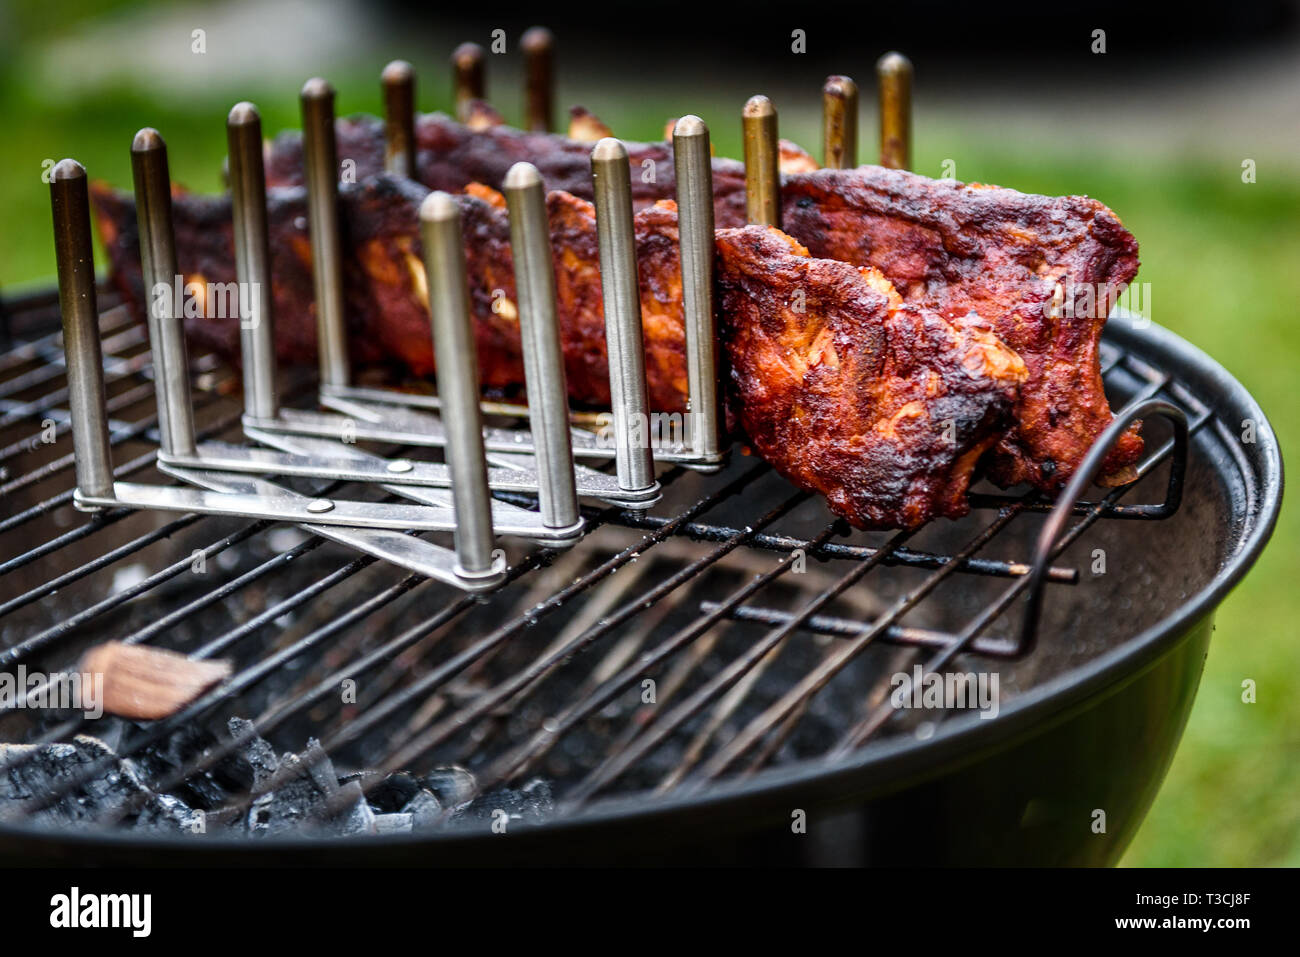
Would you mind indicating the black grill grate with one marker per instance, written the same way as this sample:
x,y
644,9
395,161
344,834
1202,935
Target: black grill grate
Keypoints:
x,y
755,613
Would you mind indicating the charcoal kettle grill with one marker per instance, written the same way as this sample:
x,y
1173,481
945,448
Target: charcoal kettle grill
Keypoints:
x,y
710,680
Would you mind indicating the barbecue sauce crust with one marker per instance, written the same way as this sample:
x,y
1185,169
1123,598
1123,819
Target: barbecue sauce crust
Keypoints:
x,y
450,156
387,295
1007,255
1010,257
883,407
949,247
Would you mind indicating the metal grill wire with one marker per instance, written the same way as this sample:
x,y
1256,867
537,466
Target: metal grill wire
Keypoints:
x,y
425,697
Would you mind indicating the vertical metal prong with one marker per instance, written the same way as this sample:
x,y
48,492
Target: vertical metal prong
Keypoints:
x,y
894,73
839,123
398,80
457,358
548,401
320,154
611,179
538,46
762,163
75,261
252,261
467,77
163,285
694,173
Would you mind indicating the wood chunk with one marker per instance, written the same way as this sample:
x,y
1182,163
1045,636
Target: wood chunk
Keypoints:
x,y
147,684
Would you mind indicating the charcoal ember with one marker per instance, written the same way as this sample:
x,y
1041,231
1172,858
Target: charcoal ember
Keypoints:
x,y
42,769
390,795
301,799
393,824
183,748
319,766
301,793
532,804
452,785
257,754
169,814
425,810
357,818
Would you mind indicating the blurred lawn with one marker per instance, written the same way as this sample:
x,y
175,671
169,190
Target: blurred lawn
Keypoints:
x,y
1223,260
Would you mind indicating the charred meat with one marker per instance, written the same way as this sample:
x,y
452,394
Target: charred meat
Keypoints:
x,y
1015,259
1042,271
385,287
882,406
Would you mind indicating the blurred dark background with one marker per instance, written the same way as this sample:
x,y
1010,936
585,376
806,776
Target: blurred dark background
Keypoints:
x,y
1027,34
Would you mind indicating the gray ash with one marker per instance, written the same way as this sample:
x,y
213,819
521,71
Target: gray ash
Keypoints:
x,y
40,769
306,795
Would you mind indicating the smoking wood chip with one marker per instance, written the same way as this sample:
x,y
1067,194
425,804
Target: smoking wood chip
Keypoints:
x,y
150,683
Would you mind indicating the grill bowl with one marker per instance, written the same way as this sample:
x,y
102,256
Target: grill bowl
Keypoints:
x,y
1095,716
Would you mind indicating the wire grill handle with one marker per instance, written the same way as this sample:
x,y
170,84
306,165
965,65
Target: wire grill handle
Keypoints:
x,y
1054,527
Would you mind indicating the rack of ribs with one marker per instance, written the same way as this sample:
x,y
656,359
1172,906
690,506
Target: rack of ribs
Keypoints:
x,y
882,406
946,250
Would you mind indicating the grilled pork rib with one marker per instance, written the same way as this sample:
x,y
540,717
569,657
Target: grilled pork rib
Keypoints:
x,y
882,406
384,282
950,248
1012,258
451,156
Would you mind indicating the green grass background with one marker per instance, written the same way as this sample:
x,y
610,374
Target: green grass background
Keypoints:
x,y
1223,261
